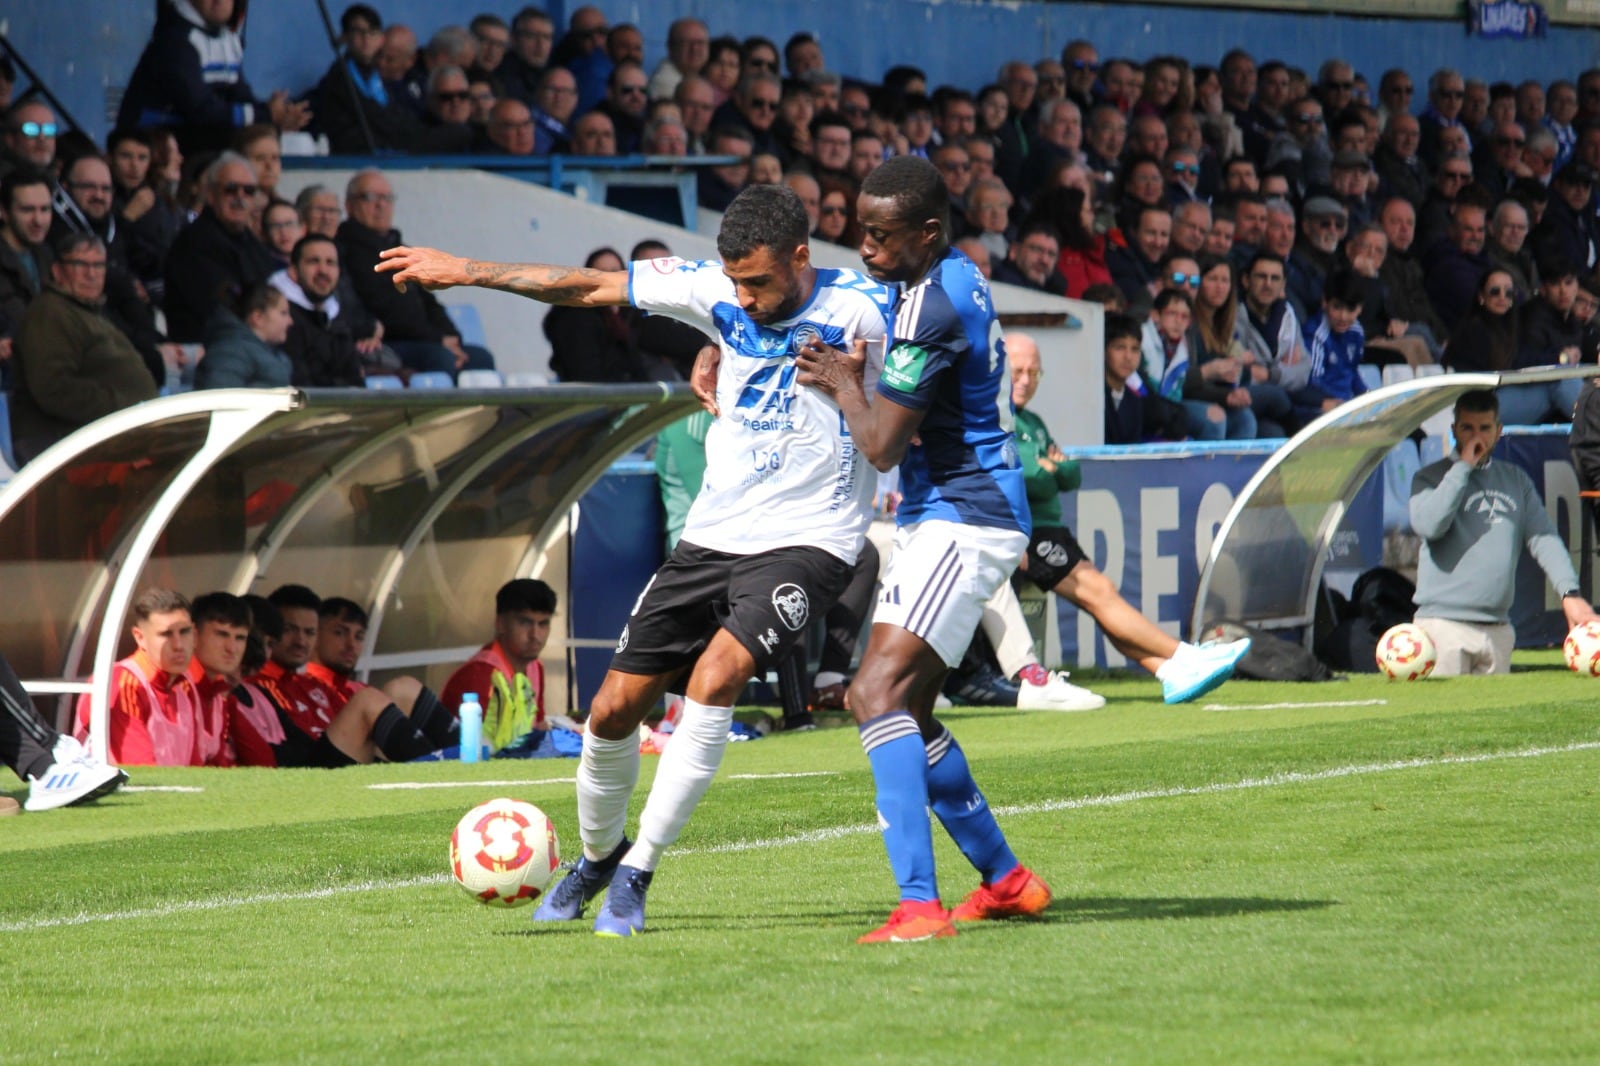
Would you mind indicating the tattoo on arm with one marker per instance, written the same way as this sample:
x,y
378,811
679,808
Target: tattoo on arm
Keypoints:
x,y
549,284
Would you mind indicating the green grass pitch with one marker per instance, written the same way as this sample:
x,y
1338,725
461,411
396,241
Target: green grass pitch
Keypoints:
x,y
1406,873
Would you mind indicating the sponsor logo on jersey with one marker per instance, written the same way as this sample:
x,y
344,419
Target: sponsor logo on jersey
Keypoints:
x,y
768,640
902,370
767,398
622,641
792,605
667,264
804,334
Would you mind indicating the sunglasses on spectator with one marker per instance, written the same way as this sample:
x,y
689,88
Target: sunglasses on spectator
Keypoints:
x,y
1498,290
1309,120
1086,64
763,105
761,64
239,188
1329,222
834,209
37,129
1191,280
1186,168
453,97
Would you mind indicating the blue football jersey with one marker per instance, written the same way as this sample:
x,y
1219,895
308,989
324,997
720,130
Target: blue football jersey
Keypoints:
x,y
945,357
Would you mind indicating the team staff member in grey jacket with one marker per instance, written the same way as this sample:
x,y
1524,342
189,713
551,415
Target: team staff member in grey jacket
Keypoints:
x,y
1474,516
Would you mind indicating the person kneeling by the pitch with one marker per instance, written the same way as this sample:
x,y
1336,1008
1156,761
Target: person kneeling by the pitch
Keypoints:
x,y
156,716
1474,516
506,673
58,770
1056,563
403,720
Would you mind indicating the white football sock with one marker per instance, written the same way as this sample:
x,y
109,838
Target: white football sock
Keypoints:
x,y
684,774
608,770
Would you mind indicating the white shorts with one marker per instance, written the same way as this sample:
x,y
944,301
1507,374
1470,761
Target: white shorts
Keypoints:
x,y
939,577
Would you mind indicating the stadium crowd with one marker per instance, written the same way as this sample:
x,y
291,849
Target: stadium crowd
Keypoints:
x,y
1271,229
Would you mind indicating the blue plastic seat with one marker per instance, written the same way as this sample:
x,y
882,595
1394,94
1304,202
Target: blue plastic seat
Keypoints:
x,y
468,322
384,381
432,379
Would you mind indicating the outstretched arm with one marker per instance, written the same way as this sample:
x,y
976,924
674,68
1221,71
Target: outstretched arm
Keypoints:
x,y
568,286
881,431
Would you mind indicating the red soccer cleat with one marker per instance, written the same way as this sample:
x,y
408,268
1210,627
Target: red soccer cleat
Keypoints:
x,y
912,920
1020,892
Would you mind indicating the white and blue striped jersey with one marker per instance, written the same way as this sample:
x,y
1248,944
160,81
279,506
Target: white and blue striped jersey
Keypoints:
x,y
946,358
781,470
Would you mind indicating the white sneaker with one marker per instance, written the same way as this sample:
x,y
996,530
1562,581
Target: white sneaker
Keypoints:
x,y
1056,694
74,776
1195,670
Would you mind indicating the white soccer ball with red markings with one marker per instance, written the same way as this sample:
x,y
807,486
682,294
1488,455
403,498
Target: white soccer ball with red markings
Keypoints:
x,y
1582,648
504,853
1406,653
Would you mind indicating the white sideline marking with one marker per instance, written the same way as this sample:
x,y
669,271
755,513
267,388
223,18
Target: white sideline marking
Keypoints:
x,y
832,833
1291,706
161,788
773,777
475,784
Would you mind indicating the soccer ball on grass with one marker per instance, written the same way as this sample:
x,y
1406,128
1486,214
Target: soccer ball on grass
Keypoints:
x,y
1582,648
504,853
1406,652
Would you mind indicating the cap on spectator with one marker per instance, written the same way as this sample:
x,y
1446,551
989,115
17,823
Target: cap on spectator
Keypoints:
x,y
1323,207
1350,160
1576,173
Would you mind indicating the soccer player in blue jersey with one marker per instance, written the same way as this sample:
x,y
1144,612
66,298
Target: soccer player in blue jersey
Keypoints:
x,y
942,411
772,537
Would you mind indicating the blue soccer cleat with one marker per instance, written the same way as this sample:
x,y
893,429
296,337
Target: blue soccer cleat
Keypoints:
x,y
623,912
583,882
1195,670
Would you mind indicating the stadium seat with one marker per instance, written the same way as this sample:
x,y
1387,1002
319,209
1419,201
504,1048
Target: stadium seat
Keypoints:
x,y
480,379
1398,372
384,381
1371,376
527,379
432,379
469,322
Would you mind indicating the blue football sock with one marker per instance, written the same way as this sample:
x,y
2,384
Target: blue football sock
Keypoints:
x,y
963,811
900,768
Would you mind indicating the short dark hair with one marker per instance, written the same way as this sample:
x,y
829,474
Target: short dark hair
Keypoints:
x,y
264,615
347,21
21,178
1478,401
157,601
801,38
257,297
1167,297
915,187
343,610
1555,266
763,216
222,607
1120,326
123,134
525,594
650,245
308,239
1265,257
296,597
73,243
1344,287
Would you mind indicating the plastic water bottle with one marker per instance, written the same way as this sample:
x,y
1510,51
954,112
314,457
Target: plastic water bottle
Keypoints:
x,y
471,728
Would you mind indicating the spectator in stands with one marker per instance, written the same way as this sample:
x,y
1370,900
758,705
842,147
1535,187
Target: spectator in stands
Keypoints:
x,y
1404,288
955,116
1322,227
72,365
1568,228
754,108
627,96
506,673
1302,152
1548,334
835,223
244,344
1507,247
1269,330
1454,265
1239,175
1104,138
765,169
449,110
1446,96
688,49
955,169
1502,164
31,130
148,221
354,89
1082,262
483,101
1239,78
1219,238
403,80
826,88
988,214
1121,80
1134,267
532,37
665,136
1031,260
1539,156
1019,83
696,102
1452,177
1352,177
1191,225
511,127
156,717
330,335
1139,185
1147,135
1249,228
59,771
1183,178
974,250
1561,107
1470,551
723,64
718,185
1400,171
1335,344
594,135
217,255
1165,364
582,51
791,130
25,258
831,146
191,77
802,54
555,101
594,343
1059,138
624,44
1395,91
319,210
1080,61
1365,251
414,323
1128,420
1335,85
1215,337
809,192
493,39
280,229
1268,116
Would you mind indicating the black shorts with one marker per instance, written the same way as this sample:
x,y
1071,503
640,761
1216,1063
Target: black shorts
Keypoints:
x,y
299,750
765,601
1052,553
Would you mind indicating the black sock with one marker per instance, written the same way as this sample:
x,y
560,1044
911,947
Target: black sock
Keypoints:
x,y
429,718
397,738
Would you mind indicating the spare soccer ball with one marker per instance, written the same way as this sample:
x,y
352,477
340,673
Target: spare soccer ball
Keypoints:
x,y
504,852
1406,653
1582,648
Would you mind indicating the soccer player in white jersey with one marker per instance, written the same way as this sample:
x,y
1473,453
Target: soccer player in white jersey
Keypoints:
x,y
772,537
942,411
